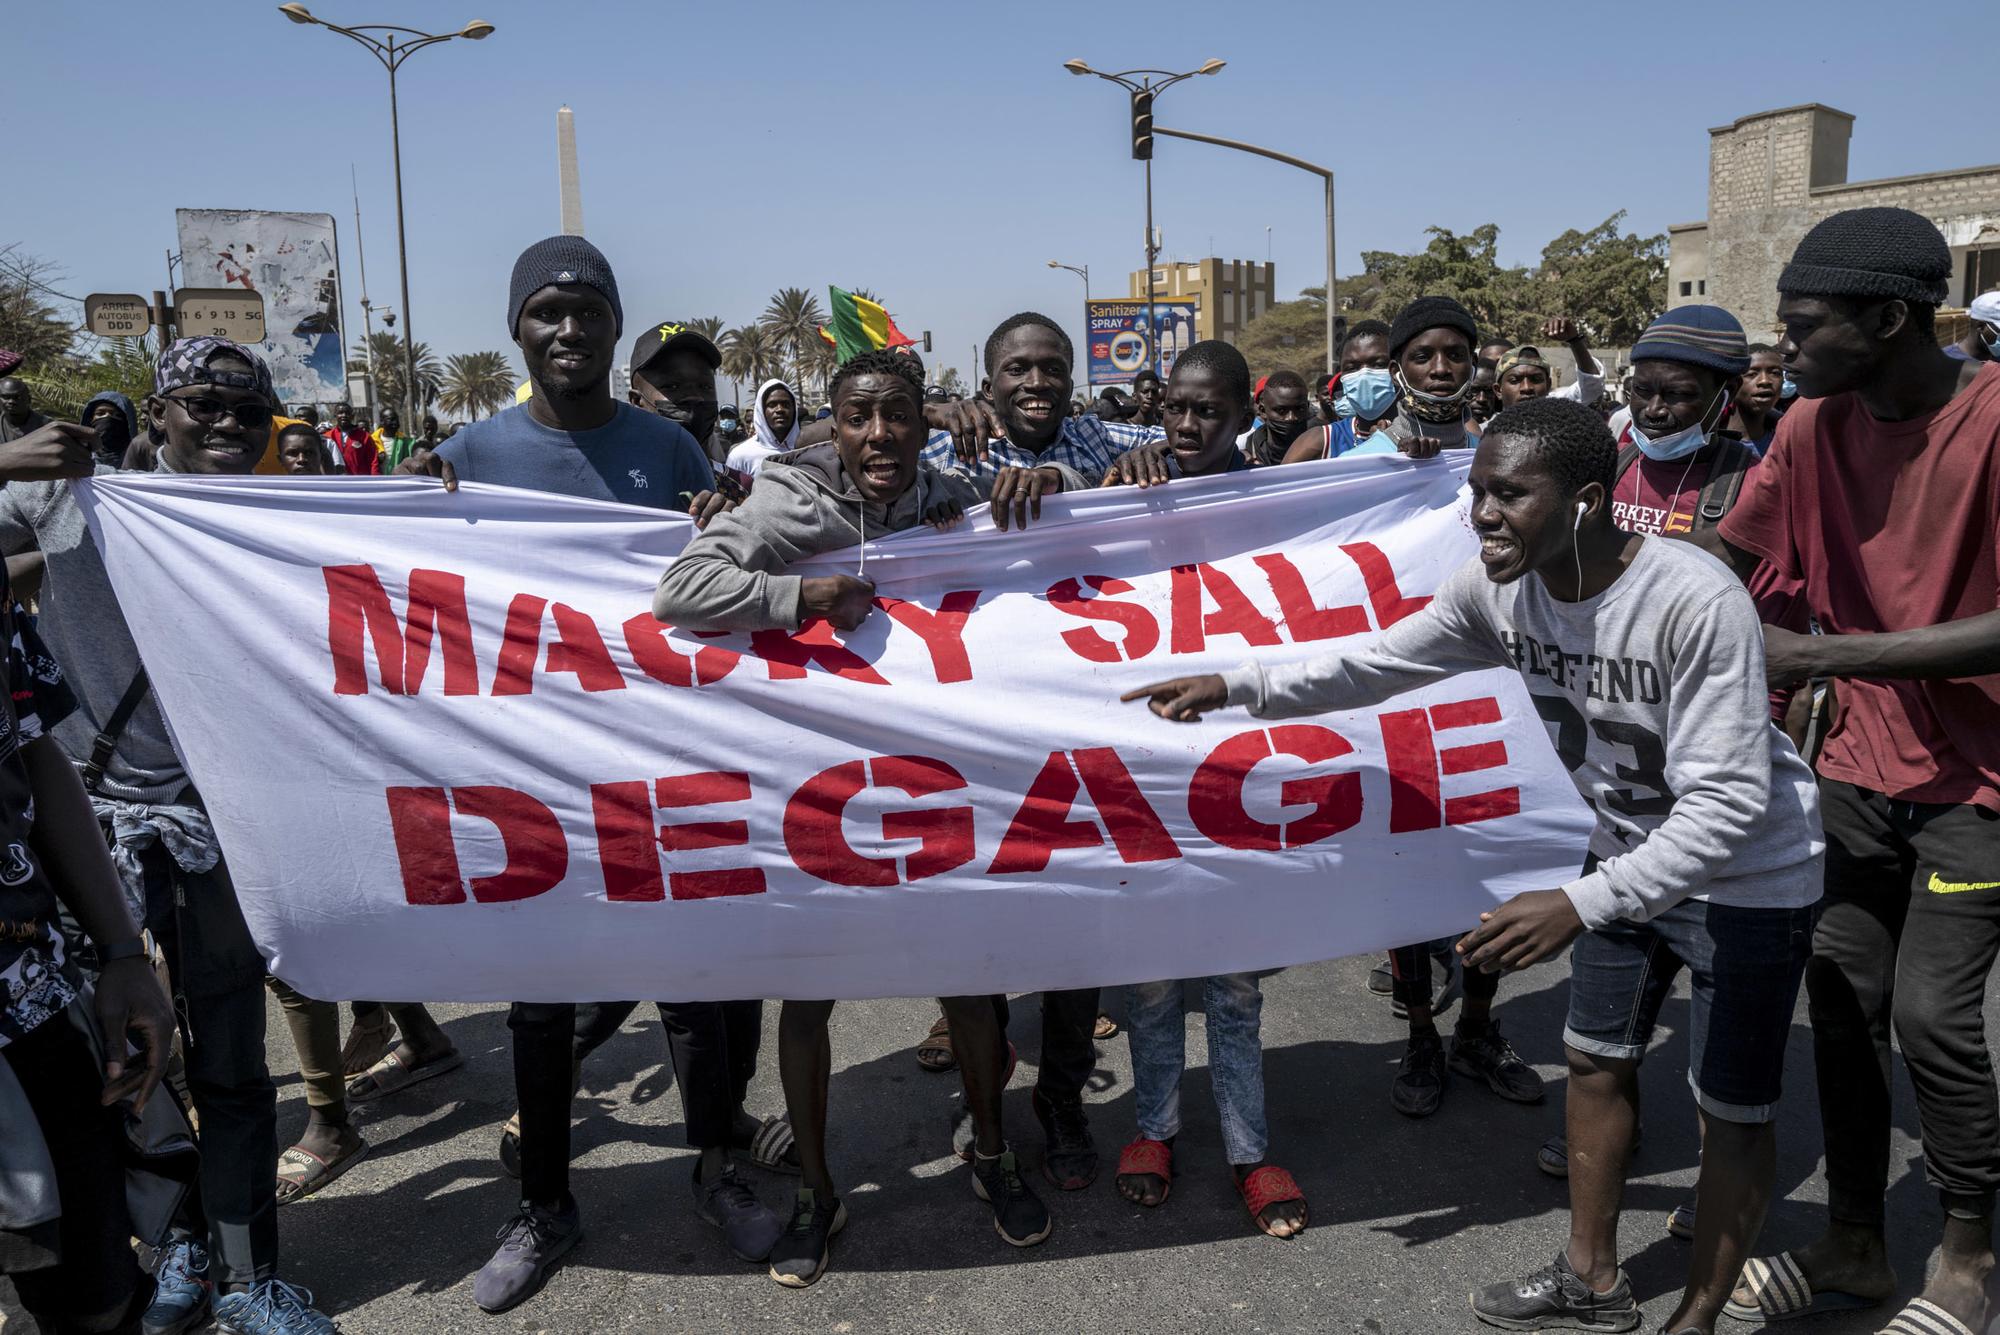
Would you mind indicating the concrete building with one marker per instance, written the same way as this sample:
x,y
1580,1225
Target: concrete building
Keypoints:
x,y
1232,293
1774,174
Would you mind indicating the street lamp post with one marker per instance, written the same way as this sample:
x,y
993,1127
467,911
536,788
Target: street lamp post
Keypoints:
x,y
1324,173
392,52
1081,271
1146,86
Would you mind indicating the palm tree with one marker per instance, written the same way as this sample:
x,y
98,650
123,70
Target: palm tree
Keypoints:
x,y
709,327
476,384
750,355
794,316
386,351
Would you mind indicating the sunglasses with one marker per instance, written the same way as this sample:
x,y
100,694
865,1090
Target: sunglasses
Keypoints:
x,y
208,411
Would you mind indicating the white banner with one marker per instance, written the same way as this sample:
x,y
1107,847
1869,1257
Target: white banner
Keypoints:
x,y
451,756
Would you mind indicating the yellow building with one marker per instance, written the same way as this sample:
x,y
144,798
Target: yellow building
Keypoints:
x,y
1231,293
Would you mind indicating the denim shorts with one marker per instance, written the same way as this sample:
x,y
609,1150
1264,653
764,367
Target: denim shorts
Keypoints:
x,y
1744,966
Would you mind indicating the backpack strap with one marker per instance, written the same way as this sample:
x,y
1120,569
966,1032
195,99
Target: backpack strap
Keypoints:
x,y
1733,462
1627,456
106,742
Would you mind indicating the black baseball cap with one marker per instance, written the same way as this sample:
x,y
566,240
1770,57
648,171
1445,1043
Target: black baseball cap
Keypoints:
x,y
668,335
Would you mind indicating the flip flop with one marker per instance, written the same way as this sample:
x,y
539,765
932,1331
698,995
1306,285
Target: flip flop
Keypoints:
x,y
391,1074
368,1041
305,1172
771,1148
1924,1317
1106,1029
1780,1292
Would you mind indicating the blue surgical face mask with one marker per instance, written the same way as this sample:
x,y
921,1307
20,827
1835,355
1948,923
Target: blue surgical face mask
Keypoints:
x,y
1788,388
1992,343
1680,444
1368,393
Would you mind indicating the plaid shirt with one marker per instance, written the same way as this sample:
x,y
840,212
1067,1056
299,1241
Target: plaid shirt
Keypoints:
x,y
1086,444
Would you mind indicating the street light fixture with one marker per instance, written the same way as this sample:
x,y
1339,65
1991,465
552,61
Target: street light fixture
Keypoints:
x,y
1143,91
1081,271
392,48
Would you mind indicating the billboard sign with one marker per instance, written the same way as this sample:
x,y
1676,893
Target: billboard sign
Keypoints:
x,y
290,260
1121,344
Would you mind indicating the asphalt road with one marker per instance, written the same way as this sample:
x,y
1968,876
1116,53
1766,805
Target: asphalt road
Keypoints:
x,y
1407,1217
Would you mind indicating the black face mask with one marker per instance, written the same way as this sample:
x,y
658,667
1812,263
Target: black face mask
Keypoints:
x,y
699,420
113,435
1284,433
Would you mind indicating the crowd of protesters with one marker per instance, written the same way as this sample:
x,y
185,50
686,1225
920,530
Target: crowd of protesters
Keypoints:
x,y
1797,539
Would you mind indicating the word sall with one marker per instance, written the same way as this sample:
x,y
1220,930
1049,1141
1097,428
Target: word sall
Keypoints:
x,y
451,755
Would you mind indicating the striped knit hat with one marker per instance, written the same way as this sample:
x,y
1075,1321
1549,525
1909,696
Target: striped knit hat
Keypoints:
x,y
1698,335
1877,252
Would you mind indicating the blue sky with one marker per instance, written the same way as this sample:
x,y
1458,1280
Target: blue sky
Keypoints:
x,y
936,153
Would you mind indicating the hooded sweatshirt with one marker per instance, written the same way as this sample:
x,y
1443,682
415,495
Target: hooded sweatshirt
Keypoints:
x,y
747,459
730,576
112,451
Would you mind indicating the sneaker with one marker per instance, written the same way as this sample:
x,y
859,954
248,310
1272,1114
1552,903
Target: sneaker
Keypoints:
x,y
1487,1055
749,1226
1419,1085
1019,1216
1380,981
181,1290
1680,1222
530,1244
801,1252
271,1307
1556,1296
1071,1159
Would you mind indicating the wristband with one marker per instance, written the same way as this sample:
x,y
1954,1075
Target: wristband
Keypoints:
x,y
130,948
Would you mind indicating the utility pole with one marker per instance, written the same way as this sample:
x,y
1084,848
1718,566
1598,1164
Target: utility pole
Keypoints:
x,y
367,310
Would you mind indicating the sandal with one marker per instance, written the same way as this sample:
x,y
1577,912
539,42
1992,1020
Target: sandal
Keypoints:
x,y
934,1053
1148,1158
1107,1028
1924,1317
771,1149
1265,1187
301,1172
1777,1291
368,1042
393,1073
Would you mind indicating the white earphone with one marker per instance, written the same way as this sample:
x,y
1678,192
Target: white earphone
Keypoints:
x,y
1580,508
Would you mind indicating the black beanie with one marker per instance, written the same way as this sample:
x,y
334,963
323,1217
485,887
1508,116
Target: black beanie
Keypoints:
x,y
555,261
1877,252
1431,313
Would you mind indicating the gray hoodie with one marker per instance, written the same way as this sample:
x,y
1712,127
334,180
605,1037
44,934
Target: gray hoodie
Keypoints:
x,y
730,576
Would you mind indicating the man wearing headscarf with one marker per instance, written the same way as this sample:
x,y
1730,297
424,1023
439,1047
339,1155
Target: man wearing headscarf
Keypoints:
x,y
111,416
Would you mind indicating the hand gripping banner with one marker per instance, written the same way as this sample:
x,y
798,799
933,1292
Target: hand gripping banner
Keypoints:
x,y
451,756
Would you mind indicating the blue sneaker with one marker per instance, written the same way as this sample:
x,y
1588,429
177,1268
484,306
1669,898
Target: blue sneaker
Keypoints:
x,y
181,1288
271,1307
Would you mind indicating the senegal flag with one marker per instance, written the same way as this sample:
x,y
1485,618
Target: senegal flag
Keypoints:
x,y
859,324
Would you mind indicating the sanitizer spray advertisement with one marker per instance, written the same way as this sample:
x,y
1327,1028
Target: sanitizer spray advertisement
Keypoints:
x,y
1121,345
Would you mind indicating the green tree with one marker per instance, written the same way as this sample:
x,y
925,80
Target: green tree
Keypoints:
x,y
794,317
951,382
476,384
1501,298
1291,334
1612,285
61,387
709,327
386,351
28,324
750,356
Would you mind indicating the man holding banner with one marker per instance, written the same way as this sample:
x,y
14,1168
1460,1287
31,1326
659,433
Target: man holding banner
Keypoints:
x,y
1646,659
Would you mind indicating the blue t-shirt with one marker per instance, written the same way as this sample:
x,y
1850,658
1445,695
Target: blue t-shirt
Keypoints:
x,y
637,457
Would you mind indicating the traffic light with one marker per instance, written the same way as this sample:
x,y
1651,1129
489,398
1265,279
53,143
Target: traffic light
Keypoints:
x,y
1142,124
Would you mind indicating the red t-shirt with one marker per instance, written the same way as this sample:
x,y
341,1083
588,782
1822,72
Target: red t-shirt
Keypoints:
x,y
1892,526
1658,498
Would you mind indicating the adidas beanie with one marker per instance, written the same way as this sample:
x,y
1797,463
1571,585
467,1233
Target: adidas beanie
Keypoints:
x,y
560,261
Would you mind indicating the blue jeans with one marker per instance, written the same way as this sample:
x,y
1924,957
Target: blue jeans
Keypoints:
x,y
1158,1035
1744,967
